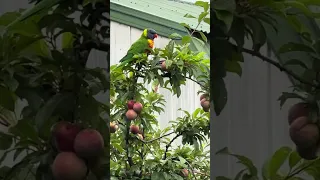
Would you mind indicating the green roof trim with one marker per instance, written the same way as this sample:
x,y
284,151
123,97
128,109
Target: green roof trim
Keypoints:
x,y
140,20
163,15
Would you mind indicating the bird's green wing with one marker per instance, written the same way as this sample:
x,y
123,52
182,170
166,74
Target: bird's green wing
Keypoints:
x,y
136,48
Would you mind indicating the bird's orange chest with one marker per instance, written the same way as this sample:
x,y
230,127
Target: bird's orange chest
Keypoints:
x,y
150,43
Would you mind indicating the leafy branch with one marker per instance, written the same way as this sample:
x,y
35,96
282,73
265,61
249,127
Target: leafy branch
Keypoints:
x,y
299,170
279,66
169,144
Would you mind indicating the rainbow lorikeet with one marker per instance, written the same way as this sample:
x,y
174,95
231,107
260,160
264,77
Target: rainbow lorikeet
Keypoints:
x,y
143,45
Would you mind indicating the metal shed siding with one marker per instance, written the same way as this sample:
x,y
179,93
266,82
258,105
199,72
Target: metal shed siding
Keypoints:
x,y
252,123
163,15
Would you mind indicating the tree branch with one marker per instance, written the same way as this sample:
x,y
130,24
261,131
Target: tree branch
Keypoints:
x,y
168,145
195,82
280,67
155,139
192,170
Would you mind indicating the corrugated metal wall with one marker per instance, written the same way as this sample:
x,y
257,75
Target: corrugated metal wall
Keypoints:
x,y
252,123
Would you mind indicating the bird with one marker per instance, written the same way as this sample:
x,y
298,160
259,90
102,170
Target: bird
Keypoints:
x,y
143,45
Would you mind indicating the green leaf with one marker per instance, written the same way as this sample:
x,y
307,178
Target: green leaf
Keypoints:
x,y
186,39
277,160
242,159
25,130
25,42
226,17
5,141
285,96
201,16
102,75
259,35
204,37
237,31
225,5
89,110
233,66
26,161
67,40
311,168
47,110
42,6
203,4
4,170
294,159
302,7
240,174
157,176
7,99
17,153
185,25
219,95
291,47
188,16
206,20
8,17
175,36
295,62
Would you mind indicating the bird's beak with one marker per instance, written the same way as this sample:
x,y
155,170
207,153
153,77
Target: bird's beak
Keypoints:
x,y
155,35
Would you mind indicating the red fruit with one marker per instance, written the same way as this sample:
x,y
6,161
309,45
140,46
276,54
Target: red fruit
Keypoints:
x,y
88,143
113,127
306,137
137,107
205,103
298,110
299,123
163,66
64,134
185,172
203,96
68,166
134,129
131,114
130,104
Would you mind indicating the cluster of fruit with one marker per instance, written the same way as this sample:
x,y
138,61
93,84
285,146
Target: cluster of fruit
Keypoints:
x,y
134,108
77,147
204,102
303,132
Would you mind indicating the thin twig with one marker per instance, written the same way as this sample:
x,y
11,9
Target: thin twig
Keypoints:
x,y
191,168
195,82
280,67
155,139
168,145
